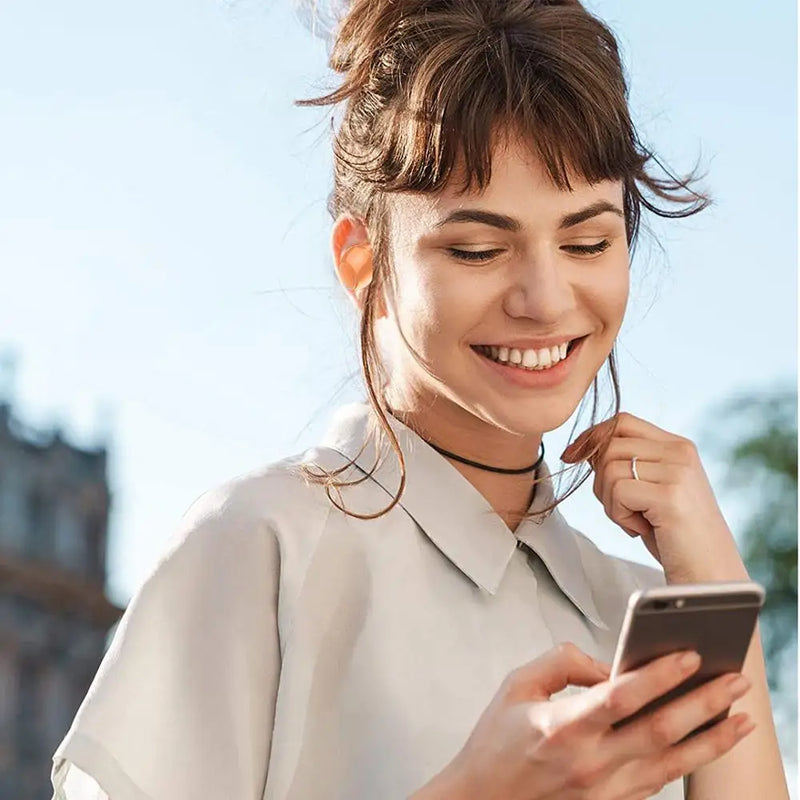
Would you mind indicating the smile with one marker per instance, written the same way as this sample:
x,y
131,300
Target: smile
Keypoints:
x,y
530,369
534,360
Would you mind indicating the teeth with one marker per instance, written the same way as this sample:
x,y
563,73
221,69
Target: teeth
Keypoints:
x,y
528,359
544,358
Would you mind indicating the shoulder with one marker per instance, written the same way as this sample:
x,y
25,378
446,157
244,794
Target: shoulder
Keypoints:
x,y
613,578
269,502
232,560
252,536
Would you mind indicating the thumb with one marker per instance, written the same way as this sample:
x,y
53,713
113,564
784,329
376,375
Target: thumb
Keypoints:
x,y
556,669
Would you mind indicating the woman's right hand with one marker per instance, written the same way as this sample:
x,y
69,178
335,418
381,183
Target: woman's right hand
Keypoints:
x,y
528,747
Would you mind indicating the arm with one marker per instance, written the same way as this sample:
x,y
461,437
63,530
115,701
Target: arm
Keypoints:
x,y
754,767
673,508
183,702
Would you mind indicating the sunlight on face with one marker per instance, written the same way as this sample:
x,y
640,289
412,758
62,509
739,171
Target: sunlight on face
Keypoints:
x,y
516,269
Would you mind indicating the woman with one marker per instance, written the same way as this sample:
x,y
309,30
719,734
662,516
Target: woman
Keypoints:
x,y
402,611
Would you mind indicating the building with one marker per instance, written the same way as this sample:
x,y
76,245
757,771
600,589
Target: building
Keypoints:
x,y
54,613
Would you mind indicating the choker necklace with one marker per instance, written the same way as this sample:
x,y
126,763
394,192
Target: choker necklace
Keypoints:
x,y
531,468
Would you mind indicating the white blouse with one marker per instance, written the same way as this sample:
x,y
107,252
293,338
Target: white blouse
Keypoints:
x,y
281,650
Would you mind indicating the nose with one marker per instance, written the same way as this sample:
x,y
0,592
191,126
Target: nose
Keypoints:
x,y
541,290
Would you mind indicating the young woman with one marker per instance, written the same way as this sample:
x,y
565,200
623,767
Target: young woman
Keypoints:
x,y
402,611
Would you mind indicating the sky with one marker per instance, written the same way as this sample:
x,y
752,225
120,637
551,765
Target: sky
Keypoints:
x,y
167,285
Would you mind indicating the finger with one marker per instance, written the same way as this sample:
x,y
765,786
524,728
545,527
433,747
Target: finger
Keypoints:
x,y
670,724
624,498
561,666
646,777
647,472
673,451
623,425
634,689
632,503
625,448
630,426
684,758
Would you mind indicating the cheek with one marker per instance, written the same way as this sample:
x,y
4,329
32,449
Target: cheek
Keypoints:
x,y
435,309
607,295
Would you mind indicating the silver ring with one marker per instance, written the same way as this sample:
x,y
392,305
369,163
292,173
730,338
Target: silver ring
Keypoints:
x,y
633,468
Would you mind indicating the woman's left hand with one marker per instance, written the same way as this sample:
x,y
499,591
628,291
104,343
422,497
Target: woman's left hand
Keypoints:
x,y
671,506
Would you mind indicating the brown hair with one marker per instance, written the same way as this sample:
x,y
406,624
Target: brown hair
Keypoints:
x,y
427,86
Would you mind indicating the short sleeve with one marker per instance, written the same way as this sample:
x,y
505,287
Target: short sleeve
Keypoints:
x,y
183,702
73,783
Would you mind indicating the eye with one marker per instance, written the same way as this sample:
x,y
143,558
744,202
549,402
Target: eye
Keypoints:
x,y
589,249
473,255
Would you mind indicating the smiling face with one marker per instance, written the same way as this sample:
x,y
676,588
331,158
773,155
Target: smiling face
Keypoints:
x,y
522,264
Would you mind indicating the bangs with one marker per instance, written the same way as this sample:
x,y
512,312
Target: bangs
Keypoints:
x,y
569,105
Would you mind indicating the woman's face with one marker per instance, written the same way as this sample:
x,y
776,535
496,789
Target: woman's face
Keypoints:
x,y
509,268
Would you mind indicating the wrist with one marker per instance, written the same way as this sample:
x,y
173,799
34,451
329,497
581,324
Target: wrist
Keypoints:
x,y
732,569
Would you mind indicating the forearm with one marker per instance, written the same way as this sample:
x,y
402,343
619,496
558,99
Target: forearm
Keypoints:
x,y
753,768
447,785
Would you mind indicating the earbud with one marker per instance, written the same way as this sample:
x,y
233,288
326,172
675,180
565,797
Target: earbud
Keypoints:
x,y
357,260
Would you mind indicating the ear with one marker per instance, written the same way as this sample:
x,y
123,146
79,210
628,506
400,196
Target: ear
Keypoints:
x,y
352,257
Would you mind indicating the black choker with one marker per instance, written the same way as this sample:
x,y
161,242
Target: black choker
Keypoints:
x,y
531,468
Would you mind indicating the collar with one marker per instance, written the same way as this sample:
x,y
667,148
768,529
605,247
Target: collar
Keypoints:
x,y
456,516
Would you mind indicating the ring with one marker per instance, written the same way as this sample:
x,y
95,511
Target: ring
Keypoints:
x,y
633,468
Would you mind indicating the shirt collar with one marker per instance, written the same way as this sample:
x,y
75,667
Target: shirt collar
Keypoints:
x,y
456,516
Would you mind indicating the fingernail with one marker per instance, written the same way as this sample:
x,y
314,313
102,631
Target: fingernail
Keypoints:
x,y
689,660
738,683
744,726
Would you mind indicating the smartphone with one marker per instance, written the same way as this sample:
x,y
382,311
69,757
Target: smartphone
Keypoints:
x,y
715,619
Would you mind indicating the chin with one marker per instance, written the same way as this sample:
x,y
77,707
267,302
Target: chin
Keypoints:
x,y
531,420
537,412
528,418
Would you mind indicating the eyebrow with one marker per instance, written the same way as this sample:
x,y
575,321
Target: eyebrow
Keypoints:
x,y
510,224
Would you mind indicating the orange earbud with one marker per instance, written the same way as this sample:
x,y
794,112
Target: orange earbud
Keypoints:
x,y
357,263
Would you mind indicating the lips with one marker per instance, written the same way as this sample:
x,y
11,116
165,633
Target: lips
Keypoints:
x,y
545,379
571,344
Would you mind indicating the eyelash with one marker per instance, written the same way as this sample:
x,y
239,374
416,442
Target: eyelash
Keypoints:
x,y
485,255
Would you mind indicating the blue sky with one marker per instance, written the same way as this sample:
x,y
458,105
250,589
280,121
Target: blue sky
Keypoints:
x,y
161,201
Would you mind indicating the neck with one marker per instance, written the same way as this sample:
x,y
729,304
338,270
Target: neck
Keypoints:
x,y
452,428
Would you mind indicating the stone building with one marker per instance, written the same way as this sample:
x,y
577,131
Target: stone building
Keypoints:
x,y
54,613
